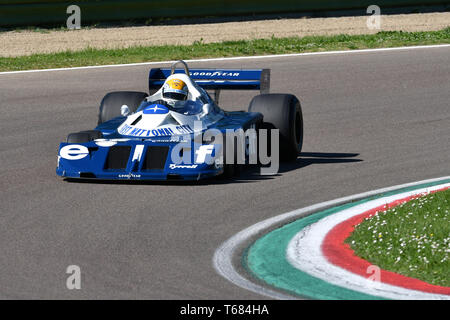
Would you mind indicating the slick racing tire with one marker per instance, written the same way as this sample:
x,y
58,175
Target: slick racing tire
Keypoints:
x,y
113,102
84,136
282,112
230,170
235,169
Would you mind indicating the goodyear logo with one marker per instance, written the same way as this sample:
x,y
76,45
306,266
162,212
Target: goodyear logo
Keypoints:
x,y
214,74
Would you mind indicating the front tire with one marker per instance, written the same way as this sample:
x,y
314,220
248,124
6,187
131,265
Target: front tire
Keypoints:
x,y
113,102
84,136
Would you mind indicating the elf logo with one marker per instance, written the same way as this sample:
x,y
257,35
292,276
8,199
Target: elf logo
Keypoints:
x,y
73,152
203,152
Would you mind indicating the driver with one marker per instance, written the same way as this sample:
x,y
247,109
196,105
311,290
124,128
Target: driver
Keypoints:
x,y
175,93
174,96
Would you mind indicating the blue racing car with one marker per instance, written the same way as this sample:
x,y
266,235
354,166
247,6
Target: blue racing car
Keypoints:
x,y
178,131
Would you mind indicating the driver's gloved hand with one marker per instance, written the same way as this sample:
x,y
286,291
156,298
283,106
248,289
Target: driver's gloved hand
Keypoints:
x,y
162,102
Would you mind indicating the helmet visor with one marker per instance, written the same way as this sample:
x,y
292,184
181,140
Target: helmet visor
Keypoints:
x,y
175,95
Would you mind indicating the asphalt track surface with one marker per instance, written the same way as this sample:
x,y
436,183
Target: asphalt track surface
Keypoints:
x,y
372,120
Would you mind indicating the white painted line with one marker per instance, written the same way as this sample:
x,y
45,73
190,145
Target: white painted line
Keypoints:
x,y
304,253
223,256
288,55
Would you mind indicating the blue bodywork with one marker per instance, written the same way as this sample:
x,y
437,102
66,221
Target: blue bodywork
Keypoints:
x,y
150,158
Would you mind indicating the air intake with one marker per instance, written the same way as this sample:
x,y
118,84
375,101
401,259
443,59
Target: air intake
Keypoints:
x,y
87,175
155,158
118,157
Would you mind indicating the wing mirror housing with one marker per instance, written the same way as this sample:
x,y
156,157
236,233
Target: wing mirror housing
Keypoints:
x,y
124,110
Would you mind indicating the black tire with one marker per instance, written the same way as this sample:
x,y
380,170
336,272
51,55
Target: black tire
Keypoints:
x,y
113,101
84,136
231,170
228,171
283,112
228,168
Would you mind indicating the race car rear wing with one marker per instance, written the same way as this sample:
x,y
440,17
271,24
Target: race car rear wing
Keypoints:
x,y
216,79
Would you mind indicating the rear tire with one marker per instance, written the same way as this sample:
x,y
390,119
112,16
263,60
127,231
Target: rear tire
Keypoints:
x,y
282,112
113,101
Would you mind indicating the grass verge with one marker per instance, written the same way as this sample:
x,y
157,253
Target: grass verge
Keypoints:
x,y
224,49
412,239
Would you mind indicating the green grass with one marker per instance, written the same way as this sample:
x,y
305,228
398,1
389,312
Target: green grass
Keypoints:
x,y
412,239
223,49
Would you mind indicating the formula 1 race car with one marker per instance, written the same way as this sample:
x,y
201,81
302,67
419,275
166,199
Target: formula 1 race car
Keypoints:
x,y
143,137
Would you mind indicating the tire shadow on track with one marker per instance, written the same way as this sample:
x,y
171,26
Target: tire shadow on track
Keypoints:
x,y
310,158
248,175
